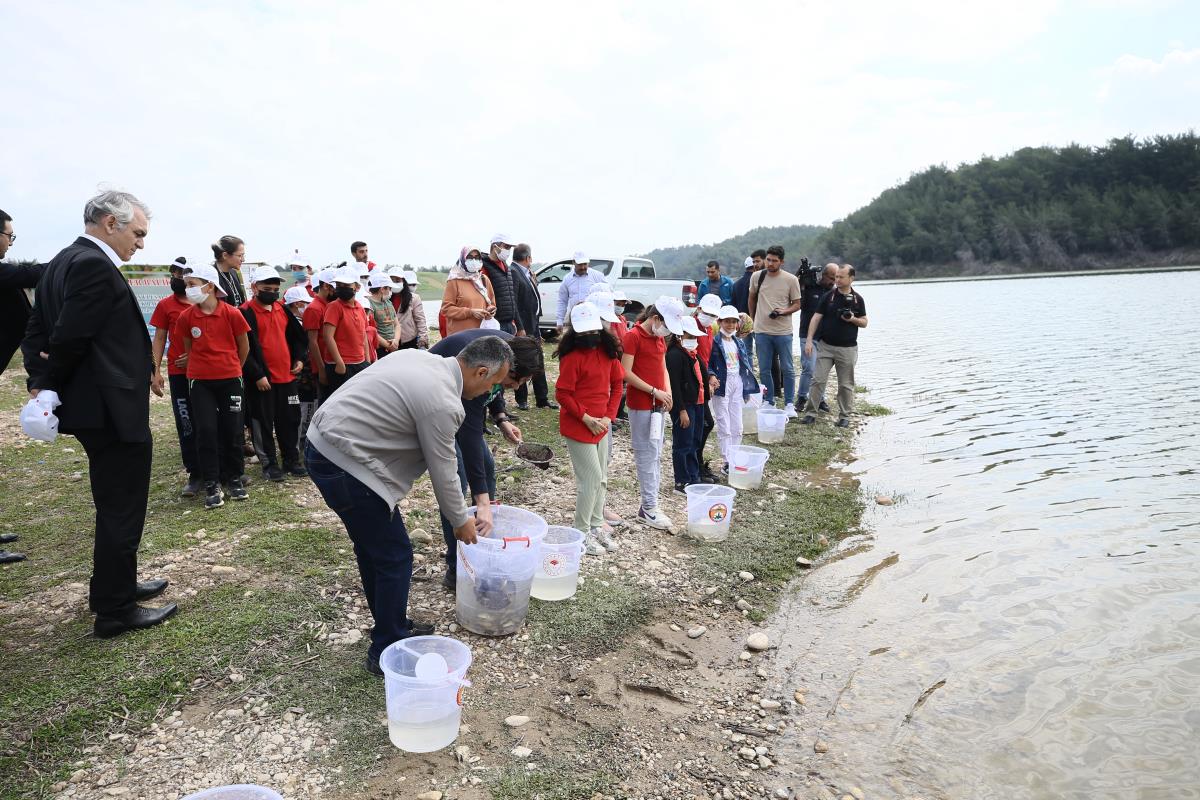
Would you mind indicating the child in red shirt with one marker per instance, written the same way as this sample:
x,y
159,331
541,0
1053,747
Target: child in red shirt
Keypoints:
x,y
214,337
588,390
312,320
689,386
344,331
165,315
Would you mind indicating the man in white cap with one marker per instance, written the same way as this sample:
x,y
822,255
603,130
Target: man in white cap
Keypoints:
x,y
575,287
496,267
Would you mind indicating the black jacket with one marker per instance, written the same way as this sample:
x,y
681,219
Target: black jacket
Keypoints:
x,y
741,293
685,390
14,306
810,298
501,277
86,317
529,302
297,341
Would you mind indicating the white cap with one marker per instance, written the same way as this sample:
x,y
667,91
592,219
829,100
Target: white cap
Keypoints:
x,y
296,294
346,275
603,301
599,287
619,295
297,261
379,279
502,238
206,272
690,325
585,317
324,276
410,277
264,273
673,311
364,298
581,257
749,262
710,304
729,312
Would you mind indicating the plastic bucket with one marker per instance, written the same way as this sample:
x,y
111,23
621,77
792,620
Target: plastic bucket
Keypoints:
x,y
495,575
710,509
557,573
749,419
241,791
771,425
746,466
423,679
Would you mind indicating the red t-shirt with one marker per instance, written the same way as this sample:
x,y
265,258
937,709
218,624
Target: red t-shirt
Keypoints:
x,y
704,345
165,315
312,322
372,335
214,354
647,351
349,323
272,337
588,382
699,375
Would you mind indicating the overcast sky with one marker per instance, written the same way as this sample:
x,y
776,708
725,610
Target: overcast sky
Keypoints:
x,y
613,128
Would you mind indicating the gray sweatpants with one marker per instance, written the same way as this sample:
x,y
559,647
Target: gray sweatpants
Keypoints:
x,y
830,357
646,454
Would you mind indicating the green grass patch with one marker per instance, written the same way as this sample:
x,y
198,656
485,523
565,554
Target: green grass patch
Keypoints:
x,y
556,780
597,618
311,552
806,447
872,409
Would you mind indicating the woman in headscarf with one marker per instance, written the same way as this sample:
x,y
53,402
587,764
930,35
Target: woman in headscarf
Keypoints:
x,y
468,299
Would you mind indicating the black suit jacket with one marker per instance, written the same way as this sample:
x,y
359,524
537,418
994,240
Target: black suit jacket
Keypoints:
x,y
14,306
529,302
86,317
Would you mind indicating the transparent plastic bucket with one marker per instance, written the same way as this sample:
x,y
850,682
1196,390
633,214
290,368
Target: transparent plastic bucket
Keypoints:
x,y
710,510
557,573
771,425
750,412
423,679
746,466
241,791
495,575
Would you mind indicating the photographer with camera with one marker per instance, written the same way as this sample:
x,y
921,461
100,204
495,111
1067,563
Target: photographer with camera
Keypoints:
x,y
814,283
835,325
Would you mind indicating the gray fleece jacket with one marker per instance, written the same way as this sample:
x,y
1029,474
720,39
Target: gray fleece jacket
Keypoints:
x,y
392,422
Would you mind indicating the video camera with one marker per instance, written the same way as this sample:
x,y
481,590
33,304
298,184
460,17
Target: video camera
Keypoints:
x,y
809,275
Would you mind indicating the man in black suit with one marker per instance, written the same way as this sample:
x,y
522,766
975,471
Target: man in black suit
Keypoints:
x,y
14,313
529,312
87,344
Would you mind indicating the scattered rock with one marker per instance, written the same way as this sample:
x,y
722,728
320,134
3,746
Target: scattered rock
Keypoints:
x,y
746,576
820,746
420,535
798,696
857,792
221,569
803,562
769,705
744,656
515,721
765,763
823,541
748,753
742,605
521,752
352,637
884,500
697,632
430,796
758,642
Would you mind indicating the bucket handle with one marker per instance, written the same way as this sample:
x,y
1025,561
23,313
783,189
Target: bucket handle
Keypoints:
x,y
508,539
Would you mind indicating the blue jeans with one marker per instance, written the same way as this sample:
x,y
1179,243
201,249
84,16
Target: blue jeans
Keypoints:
x,y
807,365
381,546
768,345
447,531
686,443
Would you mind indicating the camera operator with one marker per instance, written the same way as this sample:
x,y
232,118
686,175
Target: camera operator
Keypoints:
x,y
814,283
835,325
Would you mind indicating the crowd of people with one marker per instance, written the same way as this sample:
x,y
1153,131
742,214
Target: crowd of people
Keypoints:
x,y
333,379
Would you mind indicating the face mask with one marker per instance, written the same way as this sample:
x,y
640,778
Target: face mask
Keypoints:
x,y
504,255
345,293
178,286
300,276
661,330
266,298
728,334
705,319
473,265
195,294
689,344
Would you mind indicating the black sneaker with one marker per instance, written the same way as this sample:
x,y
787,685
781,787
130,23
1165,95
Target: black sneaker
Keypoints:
x,y
236,490
192,487
523,406
273,473
843,423
297,471
371,665
681,489
450,581
553,406
419,628
213,497
809,419
823,407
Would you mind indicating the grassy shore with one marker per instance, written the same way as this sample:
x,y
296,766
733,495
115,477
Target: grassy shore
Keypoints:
x,y
269,599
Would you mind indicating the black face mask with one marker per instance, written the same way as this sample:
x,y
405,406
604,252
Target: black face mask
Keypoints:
x,y
267,297
345,293
178,286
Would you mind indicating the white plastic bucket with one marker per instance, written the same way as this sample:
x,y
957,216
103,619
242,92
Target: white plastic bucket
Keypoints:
x,y
746,466
423,679
495,575
557,573
771,425
750,413
241,791
710,510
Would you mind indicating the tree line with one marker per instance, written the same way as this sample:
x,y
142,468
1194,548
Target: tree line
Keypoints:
x,y
687,262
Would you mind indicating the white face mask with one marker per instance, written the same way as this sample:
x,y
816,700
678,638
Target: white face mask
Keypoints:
x,y
504,255
728,334
660,330
195,294
473,264
689,344
705,319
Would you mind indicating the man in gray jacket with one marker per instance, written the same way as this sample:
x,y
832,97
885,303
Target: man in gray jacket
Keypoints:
x,y
370,442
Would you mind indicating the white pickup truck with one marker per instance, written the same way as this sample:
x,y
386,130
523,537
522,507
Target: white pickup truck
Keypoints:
x,y
634,276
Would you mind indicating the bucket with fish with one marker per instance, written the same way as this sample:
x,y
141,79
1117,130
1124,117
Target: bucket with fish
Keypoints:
x,y
495,575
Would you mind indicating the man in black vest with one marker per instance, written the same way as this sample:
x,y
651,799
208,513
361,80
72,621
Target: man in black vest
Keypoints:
x,y
496,265
86,343
14,313
529,314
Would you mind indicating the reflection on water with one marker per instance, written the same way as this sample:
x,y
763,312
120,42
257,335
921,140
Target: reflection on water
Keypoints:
x,y
1044,559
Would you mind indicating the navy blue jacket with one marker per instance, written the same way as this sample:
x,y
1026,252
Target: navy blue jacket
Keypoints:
x,y
741,292
716,366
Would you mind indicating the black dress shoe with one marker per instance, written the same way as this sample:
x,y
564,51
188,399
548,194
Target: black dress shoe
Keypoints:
x,y
136,619
450,581
809,419
5,538
823,407
371,665
523,406
843,423
147,589
419,628
9,557
549,404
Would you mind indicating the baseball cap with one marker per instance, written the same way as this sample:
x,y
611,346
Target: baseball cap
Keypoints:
x,y
379,279
324,276
581,257
346,275
600,287
673,311
585,317
296,294
728,312
502,238
710,304
264,273
603,301
410,277
749,262
690,325
297,261
619,296
206,272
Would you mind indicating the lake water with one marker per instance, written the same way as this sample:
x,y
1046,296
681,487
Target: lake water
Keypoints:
x,y
1043,557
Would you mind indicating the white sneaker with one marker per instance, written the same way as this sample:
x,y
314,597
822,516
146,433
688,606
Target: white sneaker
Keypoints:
x,y
592,547
606,540
790,411
655,518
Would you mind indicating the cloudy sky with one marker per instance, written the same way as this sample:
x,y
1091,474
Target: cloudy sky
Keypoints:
x,y
613,128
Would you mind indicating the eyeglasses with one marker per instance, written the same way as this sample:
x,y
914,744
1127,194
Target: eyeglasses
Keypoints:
x,y
12,237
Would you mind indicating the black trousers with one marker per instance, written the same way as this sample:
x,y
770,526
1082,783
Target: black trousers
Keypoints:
x,y
541,391
709,422
217,416
337,381
411,344
776,377
275,411
181,406
120,477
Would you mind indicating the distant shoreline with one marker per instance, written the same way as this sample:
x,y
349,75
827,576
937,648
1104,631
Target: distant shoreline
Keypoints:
x,y
1022,275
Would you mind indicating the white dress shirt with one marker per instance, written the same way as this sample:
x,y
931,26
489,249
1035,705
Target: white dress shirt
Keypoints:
x,y
108,251
574,290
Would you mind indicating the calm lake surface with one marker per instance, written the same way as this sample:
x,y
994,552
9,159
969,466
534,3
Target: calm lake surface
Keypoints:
x,y
1042,559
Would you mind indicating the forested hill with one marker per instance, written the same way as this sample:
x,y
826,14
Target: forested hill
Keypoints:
x,y
1039,208
687,262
